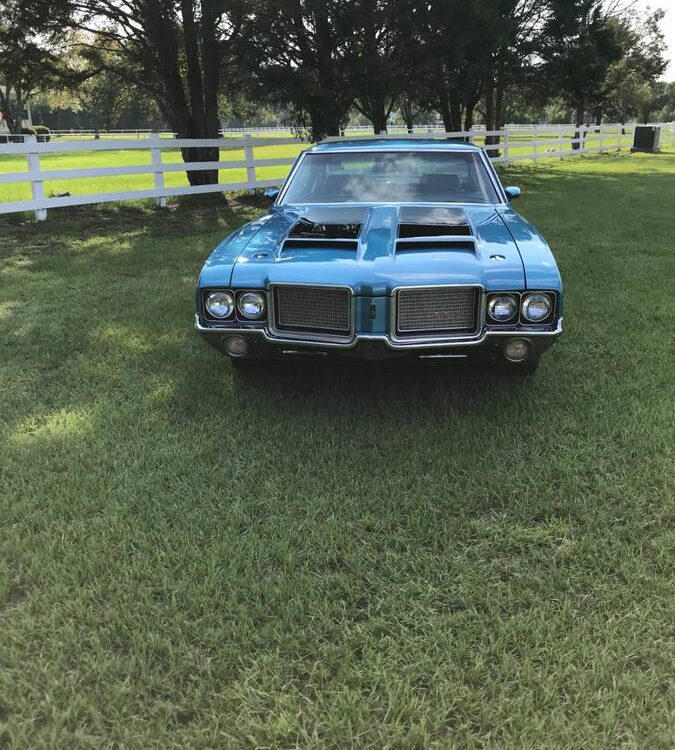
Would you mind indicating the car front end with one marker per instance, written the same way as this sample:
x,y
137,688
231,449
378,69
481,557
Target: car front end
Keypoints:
x,y
419,277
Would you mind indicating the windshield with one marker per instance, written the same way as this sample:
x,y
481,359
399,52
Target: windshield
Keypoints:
x,y
391,176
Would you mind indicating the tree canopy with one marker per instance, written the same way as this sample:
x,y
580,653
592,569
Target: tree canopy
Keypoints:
x,y
324,61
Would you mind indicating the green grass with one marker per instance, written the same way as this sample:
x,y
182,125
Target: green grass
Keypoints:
x,y
118,158
351,557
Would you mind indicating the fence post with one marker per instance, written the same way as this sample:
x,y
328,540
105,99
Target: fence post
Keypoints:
x,y
505,143
36,186
250,162
536,143
600,139
156,153
560,141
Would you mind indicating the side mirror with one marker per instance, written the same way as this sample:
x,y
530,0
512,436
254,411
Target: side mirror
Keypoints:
x,y
512,192
271,193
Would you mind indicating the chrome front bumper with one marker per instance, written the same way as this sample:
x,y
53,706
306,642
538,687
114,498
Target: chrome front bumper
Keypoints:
x,y
265,343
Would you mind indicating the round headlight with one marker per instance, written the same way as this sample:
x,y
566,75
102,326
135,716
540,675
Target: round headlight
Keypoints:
x,y
251,304
220,304
537,307
502,307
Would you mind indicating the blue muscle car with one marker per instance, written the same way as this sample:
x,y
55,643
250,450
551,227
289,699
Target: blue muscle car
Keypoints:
x,y
385,248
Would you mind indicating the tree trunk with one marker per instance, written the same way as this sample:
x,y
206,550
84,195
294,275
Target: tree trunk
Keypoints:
x,y
468,117
490,122
323,121
203,80
379,118
456,116
579,117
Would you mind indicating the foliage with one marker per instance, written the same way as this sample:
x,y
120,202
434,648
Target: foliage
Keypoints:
x,y
582,42
630,86
664,101
177,52
302,58
314,62
30,34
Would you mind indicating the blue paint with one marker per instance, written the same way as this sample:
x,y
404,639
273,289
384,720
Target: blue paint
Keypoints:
x,y
254,257
500,250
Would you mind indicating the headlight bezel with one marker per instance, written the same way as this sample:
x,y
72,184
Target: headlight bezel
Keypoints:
x,y
209,294
516,307
519,319
526,297
235,317
252,293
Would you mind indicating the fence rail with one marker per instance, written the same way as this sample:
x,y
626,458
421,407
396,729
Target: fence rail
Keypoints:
x,y
515,144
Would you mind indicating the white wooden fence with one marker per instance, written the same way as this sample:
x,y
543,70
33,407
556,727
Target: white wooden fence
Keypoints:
x,y
37,175
523,143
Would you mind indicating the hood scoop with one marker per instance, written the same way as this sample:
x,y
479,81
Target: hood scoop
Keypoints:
x,y
422,228
326,229
323,236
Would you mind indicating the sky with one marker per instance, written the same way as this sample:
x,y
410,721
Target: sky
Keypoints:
x,y
668,28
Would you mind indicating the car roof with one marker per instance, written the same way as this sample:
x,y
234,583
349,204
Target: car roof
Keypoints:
x,y
384,144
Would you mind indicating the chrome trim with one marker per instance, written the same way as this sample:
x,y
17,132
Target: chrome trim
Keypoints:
x,y
238,297
551,312
486,335
443,355
494,320
319,338
284,185
520,319
492,172
393,314
206,296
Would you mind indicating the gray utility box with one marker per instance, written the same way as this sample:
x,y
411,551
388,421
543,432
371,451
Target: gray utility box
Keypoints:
x,y
646,138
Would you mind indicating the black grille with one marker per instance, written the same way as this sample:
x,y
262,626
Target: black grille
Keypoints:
x,y
437,310
313,309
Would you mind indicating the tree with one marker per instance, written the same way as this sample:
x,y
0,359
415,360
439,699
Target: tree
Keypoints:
x,y
410,106
473,51
380,48
628,94
581,43
630,87
664,101
177,50
452,58
298,50
29,53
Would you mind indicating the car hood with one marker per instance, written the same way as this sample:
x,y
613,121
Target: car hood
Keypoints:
x,y
372,249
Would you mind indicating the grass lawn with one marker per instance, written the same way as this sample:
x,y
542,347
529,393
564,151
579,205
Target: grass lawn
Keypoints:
x,y
345,557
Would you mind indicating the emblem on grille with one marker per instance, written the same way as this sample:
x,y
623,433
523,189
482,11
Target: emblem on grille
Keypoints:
x,y
372,311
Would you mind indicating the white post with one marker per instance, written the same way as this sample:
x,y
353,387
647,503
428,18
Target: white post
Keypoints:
x,y
560,141
600,139
505,142
250,162
36,185
156,152
536,143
